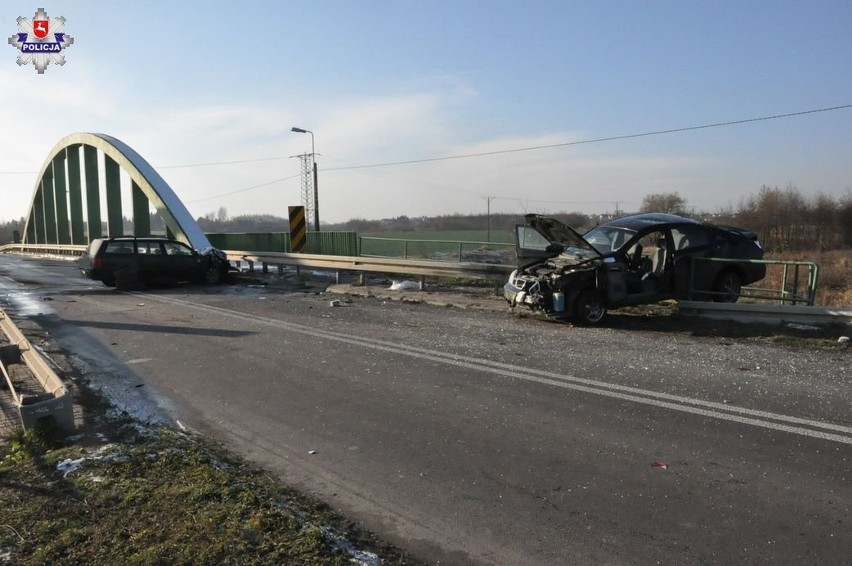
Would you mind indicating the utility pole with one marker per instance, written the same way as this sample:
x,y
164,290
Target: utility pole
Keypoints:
x,y
488,213
310,194
307,185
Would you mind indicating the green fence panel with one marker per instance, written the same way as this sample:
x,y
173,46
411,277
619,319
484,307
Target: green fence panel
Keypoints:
x,y
328,243
333,243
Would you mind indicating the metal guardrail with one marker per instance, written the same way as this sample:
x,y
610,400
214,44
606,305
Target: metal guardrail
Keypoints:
x,y
794,295
55,403
44,248
488,271
780,314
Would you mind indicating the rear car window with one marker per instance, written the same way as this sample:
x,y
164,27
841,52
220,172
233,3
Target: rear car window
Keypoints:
x,y
686,237
119,247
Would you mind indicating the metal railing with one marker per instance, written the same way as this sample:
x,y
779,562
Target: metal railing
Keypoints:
x,y
451,250
55,400
794,288
57,249
474,270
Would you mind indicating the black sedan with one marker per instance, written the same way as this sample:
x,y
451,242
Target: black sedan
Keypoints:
x,y
632,260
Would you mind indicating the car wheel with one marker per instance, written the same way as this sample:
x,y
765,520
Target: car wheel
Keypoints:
x,y
212,274
108,280
589,308
729,284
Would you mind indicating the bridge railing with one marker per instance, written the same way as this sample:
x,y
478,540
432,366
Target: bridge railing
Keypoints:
x,y
54,401
488,271
787,282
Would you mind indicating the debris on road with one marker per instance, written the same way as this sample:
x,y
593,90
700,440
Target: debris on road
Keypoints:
x,y
404,286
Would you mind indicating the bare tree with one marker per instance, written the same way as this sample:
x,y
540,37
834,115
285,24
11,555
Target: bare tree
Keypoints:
x,y
670,203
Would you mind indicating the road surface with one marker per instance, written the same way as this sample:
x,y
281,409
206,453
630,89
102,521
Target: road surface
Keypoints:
x,y
479,437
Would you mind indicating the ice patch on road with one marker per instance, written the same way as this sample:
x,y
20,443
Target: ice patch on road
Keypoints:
x,y
27,304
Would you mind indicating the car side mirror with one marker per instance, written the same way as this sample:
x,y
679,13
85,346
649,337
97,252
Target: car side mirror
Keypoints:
x,y
554,248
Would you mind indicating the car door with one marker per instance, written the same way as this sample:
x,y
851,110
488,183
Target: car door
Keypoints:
x,y
650,264
691,242
151,259
182,261
532,246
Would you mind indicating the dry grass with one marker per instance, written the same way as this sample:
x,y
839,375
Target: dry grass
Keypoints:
x,y
157,496
835,275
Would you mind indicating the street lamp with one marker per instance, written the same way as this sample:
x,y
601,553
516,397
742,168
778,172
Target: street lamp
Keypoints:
x,y
316,184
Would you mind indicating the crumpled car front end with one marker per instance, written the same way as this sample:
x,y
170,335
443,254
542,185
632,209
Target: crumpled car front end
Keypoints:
x,y
522,289
566,265
551,286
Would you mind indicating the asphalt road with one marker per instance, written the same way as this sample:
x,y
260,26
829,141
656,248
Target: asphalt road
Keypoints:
x,y
478,437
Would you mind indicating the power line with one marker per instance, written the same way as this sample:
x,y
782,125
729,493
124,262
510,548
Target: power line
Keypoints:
x,y
503,151
266,184
596,140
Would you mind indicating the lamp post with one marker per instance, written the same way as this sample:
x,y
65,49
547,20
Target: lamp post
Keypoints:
x,y
316,184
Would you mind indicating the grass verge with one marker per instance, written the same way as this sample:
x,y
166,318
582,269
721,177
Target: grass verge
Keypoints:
x,y
160,496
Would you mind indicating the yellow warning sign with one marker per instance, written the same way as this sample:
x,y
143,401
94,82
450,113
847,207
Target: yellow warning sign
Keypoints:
x,y
298,229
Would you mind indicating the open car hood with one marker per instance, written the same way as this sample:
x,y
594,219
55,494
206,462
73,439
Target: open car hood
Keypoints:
x,y
558,233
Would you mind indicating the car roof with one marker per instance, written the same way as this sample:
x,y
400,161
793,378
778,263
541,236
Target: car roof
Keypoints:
x,y
639,221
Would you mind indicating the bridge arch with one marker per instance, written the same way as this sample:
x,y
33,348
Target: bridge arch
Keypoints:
x,y
56,214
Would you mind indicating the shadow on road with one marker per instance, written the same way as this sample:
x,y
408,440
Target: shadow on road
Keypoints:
x,y
160,328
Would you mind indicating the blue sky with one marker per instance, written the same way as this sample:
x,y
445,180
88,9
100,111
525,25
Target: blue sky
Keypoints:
x,y
386,81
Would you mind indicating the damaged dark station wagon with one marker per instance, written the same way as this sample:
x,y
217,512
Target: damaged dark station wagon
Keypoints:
x,y
633,260
127,261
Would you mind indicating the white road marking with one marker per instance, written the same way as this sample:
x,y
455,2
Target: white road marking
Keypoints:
x,y
742,415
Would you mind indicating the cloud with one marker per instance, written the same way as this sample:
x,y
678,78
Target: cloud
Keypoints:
x,y
348,131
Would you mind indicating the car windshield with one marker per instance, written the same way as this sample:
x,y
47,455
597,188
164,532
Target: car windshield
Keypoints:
x,y
608,239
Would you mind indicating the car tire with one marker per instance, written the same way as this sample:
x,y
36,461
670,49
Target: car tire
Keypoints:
x,y
108,280
729,283
589,309
212,274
